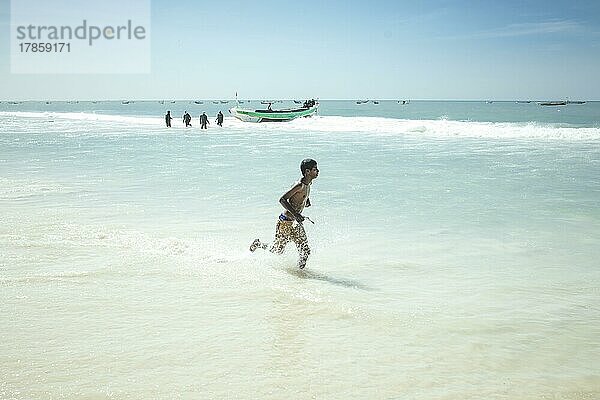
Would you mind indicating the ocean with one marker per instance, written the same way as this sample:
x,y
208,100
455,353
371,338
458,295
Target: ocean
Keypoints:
x,y
454,252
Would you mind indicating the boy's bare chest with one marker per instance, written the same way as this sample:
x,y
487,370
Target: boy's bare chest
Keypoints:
x,y
299,197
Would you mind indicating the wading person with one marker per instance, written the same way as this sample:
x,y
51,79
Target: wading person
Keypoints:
x,y
203,121
187,119
168,119
289,226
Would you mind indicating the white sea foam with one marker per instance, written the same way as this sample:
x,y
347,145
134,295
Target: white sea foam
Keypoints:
x,y
438,128
441,128
81,116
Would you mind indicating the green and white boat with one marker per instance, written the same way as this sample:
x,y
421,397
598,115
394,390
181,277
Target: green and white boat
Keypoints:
x,y
272,115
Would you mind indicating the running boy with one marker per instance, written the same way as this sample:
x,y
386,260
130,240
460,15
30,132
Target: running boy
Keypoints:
x,y
289,226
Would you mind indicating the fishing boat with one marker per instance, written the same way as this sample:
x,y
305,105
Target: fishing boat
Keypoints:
x,y
272,115
554,103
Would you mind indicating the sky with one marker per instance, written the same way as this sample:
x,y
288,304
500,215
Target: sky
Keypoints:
x,y
461,50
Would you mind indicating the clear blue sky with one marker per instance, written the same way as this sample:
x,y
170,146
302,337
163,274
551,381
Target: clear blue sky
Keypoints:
x,y
347,50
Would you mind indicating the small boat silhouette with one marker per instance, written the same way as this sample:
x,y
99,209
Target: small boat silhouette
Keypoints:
x,y
553,103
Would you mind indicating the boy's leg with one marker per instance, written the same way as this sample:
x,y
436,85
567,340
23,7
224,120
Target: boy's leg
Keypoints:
x,y
282,238
301,241
283,232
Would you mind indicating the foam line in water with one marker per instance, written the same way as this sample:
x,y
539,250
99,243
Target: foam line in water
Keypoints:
x,y
441,128
92,117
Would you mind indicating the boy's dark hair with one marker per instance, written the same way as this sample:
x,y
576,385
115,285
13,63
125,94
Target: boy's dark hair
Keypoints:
x,y
307,163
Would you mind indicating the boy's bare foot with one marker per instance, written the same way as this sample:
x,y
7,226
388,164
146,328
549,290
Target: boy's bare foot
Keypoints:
x,y
254,245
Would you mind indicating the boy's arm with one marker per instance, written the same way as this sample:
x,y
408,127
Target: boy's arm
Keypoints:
x,y
285,201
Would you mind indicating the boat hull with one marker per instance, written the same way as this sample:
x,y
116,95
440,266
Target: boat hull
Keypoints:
x,y
272,115
554,103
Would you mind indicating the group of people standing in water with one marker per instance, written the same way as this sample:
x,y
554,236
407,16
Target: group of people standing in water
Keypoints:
x,y
187,119
309,103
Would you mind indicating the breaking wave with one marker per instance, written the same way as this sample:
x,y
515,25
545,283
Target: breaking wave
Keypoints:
x,y
442,128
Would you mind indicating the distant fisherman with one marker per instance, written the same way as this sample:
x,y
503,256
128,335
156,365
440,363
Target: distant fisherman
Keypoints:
x,y
220,118
168,119
203,121
187,119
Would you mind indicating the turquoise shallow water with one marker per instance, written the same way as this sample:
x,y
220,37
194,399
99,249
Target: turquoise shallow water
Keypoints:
x,y
454,254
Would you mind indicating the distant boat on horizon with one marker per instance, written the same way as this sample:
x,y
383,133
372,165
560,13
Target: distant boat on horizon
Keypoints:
x,y
198,102
553,103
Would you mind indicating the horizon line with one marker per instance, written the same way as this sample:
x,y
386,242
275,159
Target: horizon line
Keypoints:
x,y
291,99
